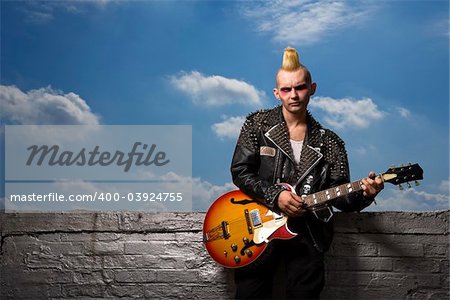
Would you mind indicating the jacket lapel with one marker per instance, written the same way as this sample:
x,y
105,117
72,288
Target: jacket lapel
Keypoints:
x,y
311,150
310,157
279,135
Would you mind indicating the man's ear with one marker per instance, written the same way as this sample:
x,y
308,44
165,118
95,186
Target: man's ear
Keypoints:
x,y
276,93
313,88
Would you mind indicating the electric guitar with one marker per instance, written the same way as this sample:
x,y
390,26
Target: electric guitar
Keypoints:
x,y
237,228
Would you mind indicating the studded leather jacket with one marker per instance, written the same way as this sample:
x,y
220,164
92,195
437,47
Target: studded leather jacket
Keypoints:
x,y
263,158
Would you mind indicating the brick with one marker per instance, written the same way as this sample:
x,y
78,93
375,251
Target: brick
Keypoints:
x,y
419,265
129,276
40,276
144,261
405,279
170,291
83,290
338,249
214,274
405,223
389,238
31,291
67,248
89,237
444,267
105,248
433,250
407,250
357,292
347,278
123,290
161,222
145,248
54,222
209,291
42,261
82,262
177,276
88,277
49,237
149,236
359,263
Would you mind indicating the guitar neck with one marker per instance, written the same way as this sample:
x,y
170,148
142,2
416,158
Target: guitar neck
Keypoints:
x,y
394,175
328,195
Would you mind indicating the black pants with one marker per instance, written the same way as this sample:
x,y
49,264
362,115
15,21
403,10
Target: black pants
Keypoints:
x,y
303,266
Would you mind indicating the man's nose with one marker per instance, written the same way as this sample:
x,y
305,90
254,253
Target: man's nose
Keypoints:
x,y
293,93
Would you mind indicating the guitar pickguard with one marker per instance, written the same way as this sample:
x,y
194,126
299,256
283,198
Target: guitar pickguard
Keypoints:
x,y
263,232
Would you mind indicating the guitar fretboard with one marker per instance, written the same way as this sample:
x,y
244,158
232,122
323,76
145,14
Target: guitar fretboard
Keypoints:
x,y
322,197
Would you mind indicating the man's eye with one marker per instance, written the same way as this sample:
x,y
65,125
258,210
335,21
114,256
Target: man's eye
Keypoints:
x,y
300,87
285,90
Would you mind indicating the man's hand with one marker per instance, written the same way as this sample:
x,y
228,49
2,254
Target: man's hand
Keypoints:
x,y
291,204
372,185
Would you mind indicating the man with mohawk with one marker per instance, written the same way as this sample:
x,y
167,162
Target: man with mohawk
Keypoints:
x,y
281,154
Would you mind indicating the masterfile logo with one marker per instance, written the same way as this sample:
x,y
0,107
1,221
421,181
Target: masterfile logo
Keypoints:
x,y
98,167
53,156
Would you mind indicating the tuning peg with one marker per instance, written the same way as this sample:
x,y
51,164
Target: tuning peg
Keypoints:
x,y
416,183
409,185
400,187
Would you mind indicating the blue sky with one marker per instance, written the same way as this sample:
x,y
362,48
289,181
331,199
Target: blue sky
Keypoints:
x,y
382,70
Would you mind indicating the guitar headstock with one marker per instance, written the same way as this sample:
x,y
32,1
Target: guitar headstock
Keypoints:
x,y
402,174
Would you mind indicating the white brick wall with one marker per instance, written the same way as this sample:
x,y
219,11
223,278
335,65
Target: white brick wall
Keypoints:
x,y
139,255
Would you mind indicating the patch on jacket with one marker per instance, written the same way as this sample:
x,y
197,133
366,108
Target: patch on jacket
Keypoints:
x,y
267,151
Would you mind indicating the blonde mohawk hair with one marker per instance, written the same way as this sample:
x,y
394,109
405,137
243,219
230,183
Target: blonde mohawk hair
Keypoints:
x,y
291,60
291,63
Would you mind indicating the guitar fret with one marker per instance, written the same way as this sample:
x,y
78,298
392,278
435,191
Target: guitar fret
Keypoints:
x,y
338,191
331,193
356,186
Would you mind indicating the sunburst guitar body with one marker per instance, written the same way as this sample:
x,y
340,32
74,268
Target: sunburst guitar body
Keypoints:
x,y
237,228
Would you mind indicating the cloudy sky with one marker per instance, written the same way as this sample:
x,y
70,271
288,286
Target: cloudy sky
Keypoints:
x,y
382,70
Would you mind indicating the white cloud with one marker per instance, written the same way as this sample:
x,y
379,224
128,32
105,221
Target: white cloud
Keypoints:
x,y
341,113
44,106
445,185
405,113
303,22
205,193
42,12
411,200
216,90
229,128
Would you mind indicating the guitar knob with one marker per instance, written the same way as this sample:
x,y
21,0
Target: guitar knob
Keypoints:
x,y
249,252
237,259
234,247
225,253
246,241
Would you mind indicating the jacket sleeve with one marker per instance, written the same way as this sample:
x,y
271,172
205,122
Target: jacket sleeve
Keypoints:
x,y
340,174
246,163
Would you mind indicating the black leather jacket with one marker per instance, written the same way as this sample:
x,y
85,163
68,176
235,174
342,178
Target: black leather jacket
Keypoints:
x,y
264,157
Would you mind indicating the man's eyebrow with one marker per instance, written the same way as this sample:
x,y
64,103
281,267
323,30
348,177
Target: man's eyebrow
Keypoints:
x,y
299,86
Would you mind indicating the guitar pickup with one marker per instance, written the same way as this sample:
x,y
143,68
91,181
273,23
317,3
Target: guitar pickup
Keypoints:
x,y
247,220
225,232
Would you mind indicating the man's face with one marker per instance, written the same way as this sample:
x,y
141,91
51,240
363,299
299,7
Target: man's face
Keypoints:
x,y
293,90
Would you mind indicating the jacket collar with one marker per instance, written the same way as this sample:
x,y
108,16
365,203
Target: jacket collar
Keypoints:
x,y
279,135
